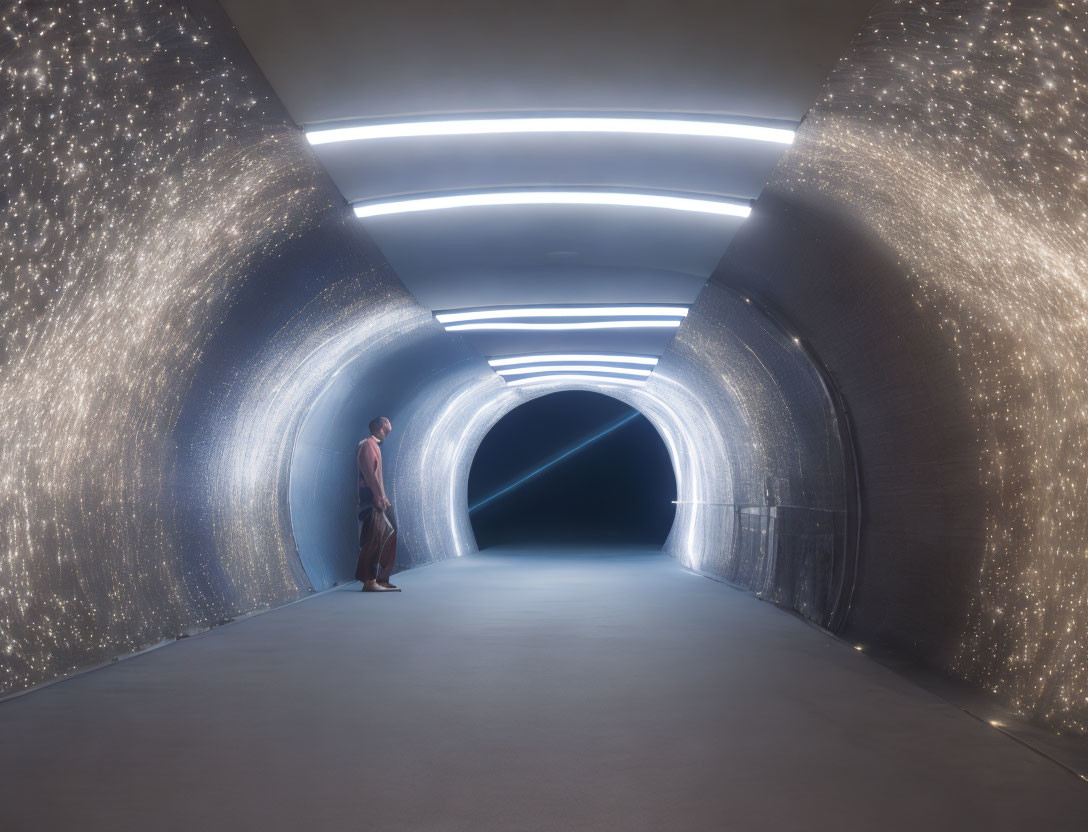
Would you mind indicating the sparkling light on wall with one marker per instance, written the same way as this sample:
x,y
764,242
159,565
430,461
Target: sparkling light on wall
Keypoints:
x,y
957,132
140,185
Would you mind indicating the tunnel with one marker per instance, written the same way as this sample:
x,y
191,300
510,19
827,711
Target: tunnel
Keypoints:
x,y
769,428
734,357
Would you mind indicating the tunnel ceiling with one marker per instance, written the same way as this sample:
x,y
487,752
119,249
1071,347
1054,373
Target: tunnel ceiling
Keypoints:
x,y
348,62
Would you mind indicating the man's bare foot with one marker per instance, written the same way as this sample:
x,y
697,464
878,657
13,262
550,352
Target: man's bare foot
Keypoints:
x,y
388,585
374,586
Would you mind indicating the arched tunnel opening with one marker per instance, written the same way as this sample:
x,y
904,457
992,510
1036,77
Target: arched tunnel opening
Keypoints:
x,y
761,466
572,466
792,294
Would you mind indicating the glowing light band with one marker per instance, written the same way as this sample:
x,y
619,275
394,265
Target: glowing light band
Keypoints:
x,y
552,124
560,312
573,325
515,360
479,199
576,368
563,377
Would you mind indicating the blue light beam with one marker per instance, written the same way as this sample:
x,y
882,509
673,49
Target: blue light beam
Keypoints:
x,y
556,459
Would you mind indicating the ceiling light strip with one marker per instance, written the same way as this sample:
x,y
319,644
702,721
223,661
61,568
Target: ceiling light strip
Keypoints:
x,y
561,312
551,124
516,360
500,325
565,377
478,199
573,368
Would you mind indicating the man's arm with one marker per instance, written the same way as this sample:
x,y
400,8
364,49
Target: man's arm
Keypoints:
x,y
368,465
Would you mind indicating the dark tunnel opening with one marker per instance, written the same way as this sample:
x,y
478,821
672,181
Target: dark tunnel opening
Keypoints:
x,y
572,466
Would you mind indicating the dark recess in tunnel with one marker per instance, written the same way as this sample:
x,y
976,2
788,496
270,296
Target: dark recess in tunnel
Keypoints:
x,y
616,488
923,536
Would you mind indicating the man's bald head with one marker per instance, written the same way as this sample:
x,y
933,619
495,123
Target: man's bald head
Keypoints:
x,y
380,427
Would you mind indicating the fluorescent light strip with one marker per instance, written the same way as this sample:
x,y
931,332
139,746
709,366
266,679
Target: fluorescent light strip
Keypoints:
x,y
517,382
562,312
554,124
512,361
576,325
567,368
734,208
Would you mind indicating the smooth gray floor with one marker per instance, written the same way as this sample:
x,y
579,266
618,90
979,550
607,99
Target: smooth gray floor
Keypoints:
x,y
517,691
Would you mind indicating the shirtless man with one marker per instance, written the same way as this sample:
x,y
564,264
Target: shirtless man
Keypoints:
x,y
378,537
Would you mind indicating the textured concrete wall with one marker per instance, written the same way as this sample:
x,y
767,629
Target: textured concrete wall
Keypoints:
x,y
926,235
780,528
922,532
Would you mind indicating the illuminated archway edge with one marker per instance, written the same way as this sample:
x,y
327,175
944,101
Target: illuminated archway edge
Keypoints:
x,y
440,427
437,450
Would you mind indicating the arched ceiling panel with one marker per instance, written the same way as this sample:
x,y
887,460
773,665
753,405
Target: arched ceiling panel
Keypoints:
x,y
369,169
528,243
342,59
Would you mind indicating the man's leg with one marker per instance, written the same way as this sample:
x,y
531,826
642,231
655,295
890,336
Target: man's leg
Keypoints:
x,y
369,548
387,559
364,569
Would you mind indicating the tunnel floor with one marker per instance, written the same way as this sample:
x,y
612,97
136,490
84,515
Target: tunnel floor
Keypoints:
x,y
517,690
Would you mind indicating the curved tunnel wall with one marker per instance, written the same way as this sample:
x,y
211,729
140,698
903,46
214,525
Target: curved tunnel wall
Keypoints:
x,y
927,234
381,376
123,249
793,502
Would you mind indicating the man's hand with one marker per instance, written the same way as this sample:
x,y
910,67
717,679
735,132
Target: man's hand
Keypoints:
x,y
384,504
